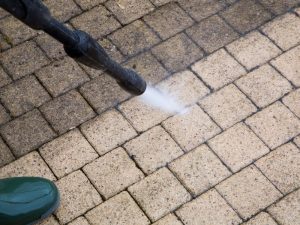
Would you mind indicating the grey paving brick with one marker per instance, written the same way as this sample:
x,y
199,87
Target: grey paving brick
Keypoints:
x,y
212,33
4,78
292,101
63,10
134,38
4,116
62,76
168,20
129,10
27,132
179,57
67,111
23,59
279,6
23,95
88,4
6,155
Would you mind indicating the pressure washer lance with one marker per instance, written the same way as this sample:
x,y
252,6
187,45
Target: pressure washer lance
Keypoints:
x,y
77,44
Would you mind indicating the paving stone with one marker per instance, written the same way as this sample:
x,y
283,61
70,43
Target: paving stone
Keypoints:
x,y
153,149
107,131
134,38
141,115
113,172
148,67
97,22
199,170
4,78
185,87
248,192
262,218
68,153
160,2
23,95
292,101
191,128
77,196
27,132
168,220
287,211
168,20
279,7
62,10
246,15
120,209
62,76
4,116
218,69
208,209
129,10
297,141
297,10
280,162
288,64
103,93
15,30
88,4
284,31
253,50
49,221
67,111
5,154
31,164
264,85
52,48
23,59
228,106
212,33
179,57
4,43
238,147
159,193
79,221
274,125
200,9
3,13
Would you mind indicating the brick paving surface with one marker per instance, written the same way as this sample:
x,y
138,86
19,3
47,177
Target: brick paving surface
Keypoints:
x,y
232,158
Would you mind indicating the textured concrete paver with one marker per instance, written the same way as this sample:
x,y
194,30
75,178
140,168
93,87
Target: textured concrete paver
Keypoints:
x,y
67,111
168,220
31,164
4,78
262,218
88,4
191,128
4,116
282,167
248,192
253,50
5,154
218,69
238,147
63,10
288,64
168,20
228,106
199,170
274,125
292,101
77,196
50,221
208,209
79,221
284,31
175,59
113,172
287,210
27,132
23,95
279,7
264,85
62,76
212,33
120,209
297,141
153,149
159,193
108,131
68,153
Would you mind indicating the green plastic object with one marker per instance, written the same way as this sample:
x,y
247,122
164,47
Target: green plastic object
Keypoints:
x,y
26,200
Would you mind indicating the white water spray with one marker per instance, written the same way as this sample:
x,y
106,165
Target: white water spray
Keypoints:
x,y
161,100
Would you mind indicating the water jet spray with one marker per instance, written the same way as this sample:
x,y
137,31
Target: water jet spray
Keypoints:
x,y
78,44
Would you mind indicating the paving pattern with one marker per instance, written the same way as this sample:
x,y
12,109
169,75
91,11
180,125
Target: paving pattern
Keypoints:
x,y
234,158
